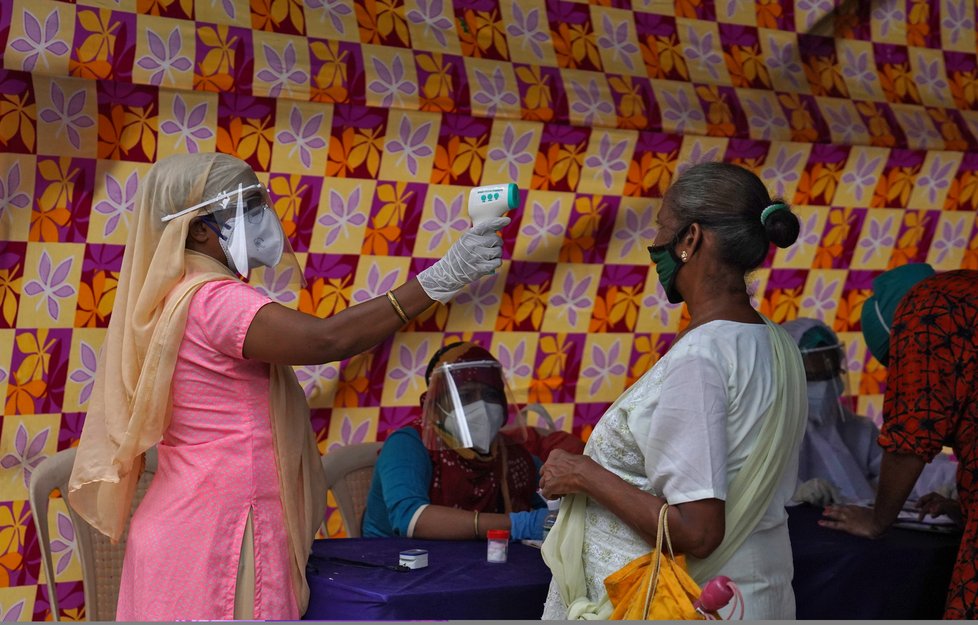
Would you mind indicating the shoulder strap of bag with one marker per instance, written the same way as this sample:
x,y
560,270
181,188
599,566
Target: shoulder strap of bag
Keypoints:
x,y
656,557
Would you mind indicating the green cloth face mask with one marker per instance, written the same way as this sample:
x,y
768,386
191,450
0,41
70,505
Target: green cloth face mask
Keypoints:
x,y
667,265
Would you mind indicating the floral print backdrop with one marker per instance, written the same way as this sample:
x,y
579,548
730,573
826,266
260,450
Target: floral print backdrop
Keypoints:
x,y
370,119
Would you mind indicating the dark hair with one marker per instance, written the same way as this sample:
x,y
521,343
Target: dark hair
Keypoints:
x,y
728,200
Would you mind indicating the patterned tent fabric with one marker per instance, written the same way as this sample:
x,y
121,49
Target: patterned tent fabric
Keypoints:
x,y
370,119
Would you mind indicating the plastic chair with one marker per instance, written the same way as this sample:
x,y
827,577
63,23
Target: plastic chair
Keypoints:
x,y
101,561
349,471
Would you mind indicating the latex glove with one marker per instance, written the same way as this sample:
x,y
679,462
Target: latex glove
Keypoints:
x,y
817,492
477,253
527,525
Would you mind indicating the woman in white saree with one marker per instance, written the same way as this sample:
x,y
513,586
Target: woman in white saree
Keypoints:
x,y
713,429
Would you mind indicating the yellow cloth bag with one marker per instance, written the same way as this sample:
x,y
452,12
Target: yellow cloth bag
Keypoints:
x,y
654,586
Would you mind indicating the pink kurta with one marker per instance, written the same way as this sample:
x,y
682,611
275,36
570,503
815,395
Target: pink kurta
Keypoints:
x,y
216,463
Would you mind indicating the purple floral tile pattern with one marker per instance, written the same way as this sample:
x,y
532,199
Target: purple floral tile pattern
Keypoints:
x,y
872,134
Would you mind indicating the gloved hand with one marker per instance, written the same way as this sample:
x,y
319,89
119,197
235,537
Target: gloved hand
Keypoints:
x,y
478,252
817,492
527,525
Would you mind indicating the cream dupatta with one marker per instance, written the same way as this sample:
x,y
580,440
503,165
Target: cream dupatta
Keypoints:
x,y
130,405
749,494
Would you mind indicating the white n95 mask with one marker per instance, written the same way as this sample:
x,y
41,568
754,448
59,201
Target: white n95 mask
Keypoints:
x,y
483,420
253,239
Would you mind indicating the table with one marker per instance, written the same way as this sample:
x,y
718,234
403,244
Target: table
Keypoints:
x,y
902,575
458,583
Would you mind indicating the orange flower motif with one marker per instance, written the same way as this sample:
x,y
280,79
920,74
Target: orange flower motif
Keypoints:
x,y
650,175
21,395
663,56
436,92
526,302
537,100
354,148
893,190
575,47
559,163
970,260
247,138
330,82
631,107
619,305
720,122
873,379
582,235
51,210
461,157
953,140
95,300
802,124
918,23
124,129
162,7
271,14
879,130
817,185
825,78
549,376
353,381
326,296
93,53
768,13
908,245
9,290
214,72
383,22
850,310
964,89
483,33
687,8
385,226
963,193
783,305
898,84
17,119
649,348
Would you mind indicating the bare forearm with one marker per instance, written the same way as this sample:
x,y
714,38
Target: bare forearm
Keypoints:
x,y
442,522
898,474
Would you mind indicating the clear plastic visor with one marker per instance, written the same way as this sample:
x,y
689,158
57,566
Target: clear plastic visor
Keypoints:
x,y
829,395
252,236
466,406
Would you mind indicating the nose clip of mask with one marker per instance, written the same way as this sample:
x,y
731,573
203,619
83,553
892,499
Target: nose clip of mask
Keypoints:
x,y
492,201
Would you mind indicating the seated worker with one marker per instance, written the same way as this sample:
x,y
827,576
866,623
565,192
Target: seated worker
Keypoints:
x,y
452,474
840,457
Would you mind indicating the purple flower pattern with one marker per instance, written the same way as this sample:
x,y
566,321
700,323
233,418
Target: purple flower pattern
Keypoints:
x,y
781,62
878,240
304,135
618,40
311,376
164,57
697,156
40,43
282,72
410,367
188,126
659,303
822,300
544,225
85,374
808,237
350,435
765,119
609,158
11,197
515,150
857,68
782,171
680,110
52,284
700,50
278,285
377,284
447,221
937,178
514,364
815,10
335,10
481,294
528,29
431,14
392,83
952,237
863,177
638,230
843,123
930,75
67,113
343,214
119,202
571,298
589,103
956,19
919,129
412,143
888,13
28,452
604,365
493,92
13,613
64,546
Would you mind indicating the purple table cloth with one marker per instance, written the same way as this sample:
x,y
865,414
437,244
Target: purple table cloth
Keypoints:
x,y
458,583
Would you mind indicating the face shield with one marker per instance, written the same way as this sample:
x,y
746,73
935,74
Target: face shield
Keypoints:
x,y
829,399
466,405
249,231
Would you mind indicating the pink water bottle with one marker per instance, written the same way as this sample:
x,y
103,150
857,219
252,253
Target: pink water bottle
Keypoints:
x,y
716,594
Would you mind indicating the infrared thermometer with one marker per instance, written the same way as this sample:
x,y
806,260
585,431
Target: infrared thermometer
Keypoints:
x,y
492,201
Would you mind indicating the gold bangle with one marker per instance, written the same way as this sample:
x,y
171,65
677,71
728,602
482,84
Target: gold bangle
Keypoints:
x,y
475,523
397,307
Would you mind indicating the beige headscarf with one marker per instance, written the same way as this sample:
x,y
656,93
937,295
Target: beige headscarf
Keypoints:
x,y
129,409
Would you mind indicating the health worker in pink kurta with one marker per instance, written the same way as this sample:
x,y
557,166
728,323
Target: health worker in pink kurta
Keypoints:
x,y
197,363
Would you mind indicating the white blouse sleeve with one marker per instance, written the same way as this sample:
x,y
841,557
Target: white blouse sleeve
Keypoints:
x,y
686,447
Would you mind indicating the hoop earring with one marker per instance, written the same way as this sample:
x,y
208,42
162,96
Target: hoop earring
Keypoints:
x,y
684,256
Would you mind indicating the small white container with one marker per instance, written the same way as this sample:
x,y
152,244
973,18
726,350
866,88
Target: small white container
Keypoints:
x,y
414,558
498,545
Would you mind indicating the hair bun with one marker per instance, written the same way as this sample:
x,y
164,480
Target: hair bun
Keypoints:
x,y
782,226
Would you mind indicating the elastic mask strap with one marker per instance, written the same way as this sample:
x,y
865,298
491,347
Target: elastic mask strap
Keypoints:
x,y
238,248
879,314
